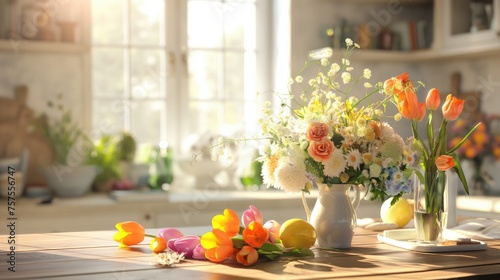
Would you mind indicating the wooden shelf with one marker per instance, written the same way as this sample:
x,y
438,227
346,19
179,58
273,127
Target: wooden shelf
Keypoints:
x,y
17,46
427,55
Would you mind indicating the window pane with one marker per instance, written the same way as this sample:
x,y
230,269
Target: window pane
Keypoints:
x,y
205,24
107,72
147,74
108,117
204,116
233,116
147,22
107,21
147,117
239,25
204,74
234,75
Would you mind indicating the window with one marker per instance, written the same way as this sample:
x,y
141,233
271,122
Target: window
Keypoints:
x,y
165,70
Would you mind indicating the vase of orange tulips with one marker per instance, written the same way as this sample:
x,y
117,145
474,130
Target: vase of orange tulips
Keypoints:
x,y
434,157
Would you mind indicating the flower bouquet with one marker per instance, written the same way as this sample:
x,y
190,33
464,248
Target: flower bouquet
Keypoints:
x,y
434,157
329,136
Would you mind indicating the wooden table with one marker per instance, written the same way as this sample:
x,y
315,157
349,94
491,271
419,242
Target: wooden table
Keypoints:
x,y
94,255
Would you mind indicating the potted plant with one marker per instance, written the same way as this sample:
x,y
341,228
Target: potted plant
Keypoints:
x,y
104,154
69,174
126,147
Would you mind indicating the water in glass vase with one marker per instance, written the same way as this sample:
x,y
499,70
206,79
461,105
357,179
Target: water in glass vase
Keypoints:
x,y
429,227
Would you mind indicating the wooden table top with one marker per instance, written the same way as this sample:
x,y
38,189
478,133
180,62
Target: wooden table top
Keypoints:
x,y
94,255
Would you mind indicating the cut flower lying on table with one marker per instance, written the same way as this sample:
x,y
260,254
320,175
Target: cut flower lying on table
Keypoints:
x,y
227,240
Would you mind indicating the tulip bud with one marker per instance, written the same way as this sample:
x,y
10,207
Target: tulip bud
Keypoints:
x,y
169,233
186,244
274,230
452,107
129,233
251,215
158,245
445,162
433,99
199,253
247,256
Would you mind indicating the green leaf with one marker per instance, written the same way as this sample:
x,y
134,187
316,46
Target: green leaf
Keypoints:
x,y
430,132
460,172
463,140
269,248
272,256
304,252
238,242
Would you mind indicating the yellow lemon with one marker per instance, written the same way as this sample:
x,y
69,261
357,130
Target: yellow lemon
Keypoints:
x,y
400,213
297,233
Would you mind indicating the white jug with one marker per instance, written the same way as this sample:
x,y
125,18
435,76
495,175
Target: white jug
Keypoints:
x,y
334,215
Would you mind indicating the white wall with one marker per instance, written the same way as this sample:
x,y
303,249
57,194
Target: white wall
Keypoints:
x,y
46,76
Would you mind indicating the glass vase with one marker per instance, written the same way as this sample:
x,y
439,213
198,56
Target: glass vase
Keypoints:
x,y
430,215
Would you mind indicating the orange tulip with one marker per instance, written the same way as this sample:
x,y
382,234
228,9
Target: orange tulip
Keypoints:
x,y
158,245
218,245
247,256
452,107
433,99
409,106
397,85
445,162
129,233
255,234
228,223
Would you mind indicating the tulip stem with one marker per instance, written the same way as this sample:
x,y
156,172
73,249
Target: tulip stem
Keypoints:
x,y
150,235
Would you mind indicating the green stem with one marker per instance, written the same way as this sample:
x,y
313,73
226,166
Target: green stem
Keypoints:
x,y
150,235
417,137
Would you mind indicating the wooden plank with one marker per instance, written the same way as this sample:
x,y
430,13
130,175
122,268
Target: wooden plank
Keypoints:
x,y
94,255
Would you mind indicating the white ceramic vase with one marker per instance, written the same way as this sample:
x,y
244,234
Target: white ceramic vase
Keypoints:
x,y
334,215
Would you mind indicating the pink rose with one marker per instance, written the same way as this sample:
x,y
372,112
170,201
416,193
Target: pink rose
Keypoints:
x,y
316,131
321,150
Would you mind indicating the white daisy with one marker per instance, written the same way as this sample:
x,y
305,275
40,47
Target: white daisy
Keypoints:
x,y
353,159
398,176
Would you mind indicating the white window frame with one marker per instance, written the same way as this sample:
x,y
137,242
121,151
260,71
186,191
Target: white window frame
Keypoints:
x,y
176,66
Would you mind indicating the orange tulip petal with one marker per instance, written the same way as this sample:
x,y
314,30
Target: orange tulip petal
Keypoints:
x,y
452,107
229,222
218,245
219,254
445,162
433,99
130,227
247,256
255,235
158,245
129,233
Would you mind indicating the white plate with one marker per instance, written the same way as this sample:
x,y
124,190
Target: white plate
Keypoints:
x,y
413,245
